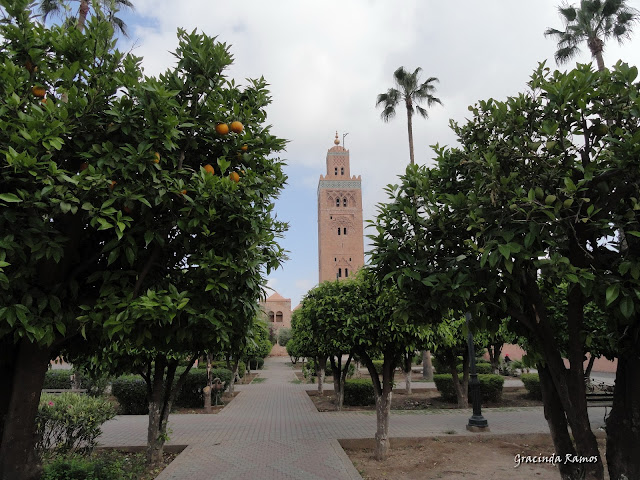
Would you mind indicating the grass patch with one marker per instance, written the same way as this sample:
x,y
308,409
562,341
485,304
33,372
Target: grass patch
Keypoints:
x,y
297,381
258,380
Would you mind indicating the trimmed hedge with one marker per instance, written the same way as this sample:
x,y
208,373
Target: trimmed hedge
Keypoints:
x,y
483,368
378,365
490,387
191,395
131,392
256,363
359,392
532,384
57,379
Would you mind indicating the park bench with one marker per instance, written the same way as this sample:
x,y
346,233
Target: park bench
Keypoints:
x,y
58,391
600,399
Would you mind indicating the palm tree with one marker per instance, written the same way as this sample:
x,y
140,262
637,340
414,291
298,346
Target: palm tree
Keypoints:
x,y
108,10
594,22
411,92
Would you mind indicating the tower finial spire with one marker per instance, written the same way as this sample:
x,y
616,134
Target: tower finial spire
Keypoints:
x,y
336,141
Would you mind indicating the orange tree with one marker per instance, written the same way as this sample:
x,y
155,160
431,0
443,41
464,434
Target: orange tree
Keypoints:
x,y
542,192
326,309
109,226
366,318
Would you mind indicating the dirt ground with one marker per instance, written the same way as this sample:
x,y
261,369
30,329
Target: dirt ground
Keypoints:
x,y
226,398
460,457
424,399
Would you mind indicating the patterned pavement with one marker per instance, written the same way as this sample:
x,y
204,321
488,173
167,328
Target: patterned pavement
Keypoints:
x,y
272,431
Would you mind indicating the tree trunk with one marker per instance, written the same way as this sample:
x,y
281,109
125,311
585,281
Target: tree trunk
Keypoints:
x,y
407,372
155,442
383,408
234,372
494,350
410,129
8,355
557,421
600,61
83,11
623,423
461,387
320,375
587,372
18,460
427,366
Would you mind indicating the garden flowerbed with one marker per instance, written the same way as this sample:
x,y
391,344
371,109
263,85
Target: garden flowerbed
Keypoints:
x,y
425,399
108,464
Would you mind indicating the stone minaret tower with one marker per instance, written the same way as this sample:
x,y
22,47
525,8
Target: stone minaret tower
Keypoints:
x,y
340,229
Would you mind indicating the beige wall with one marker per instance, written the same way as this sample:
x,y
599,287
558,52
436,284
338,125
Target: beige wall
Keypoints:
x,y
341,254
275,309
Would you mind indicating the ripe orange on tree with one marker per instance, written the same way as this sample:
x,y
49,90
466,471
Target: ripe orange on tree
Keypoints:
x,y
234,176
84,166
222,129
157,157
38,91
244,148
237,127
113,184
183,192
209,169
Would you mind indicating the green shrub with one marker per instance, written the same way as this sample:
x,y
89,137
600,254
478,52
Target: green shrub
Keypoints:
x,y
377,364
490,387
284,335
131,392
256,363
70,422
57,379
359,391
81,468
481,368
532,384
444,384
191,395
95,385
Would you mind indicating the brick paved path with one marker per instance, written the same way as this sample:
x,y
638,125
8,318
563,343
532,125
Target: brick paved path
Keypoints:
x,y
272,431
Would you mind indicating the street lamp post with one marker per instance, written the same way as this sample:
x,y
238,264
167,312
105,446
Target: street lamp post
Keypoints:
x,y
477,423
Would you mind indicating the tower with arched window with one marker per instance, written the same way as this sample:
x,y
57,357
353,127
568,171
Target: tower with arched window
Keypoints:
x,y
340,228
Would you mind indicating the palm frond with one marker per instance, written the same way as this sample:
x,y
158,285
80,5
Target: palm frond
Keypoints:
x,y
423,112
563,55
568,13
388,113
52,7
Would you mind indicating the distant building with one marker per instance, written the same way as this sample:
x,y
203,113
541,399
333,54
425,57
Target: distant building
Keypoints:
x,y
340,227
277,310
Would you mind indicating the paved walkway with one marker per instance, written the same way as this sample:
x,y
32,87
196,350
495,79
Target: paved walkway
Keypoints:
x,y
272,431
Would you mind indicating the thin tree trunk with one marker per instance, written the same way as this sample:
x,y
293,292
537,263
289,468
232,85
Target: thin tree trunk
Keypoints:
x,y
234,373
461,386
320,376
18,460
557,421
587,372
383,409
427,366
410,129
623,423
407,372
154,441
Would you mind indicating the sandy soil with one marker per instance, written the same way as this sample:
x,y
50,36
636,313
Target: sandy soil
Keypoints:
x,y
458,457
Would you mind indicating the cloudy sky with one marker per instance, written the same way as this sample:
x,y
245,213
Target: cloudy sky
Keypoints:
x,y
327,60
